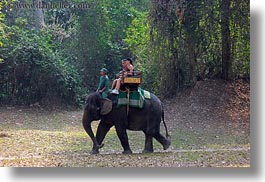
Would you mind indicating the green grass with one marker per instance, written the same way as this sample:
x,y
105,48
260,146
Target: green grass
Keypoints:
x,y
58,139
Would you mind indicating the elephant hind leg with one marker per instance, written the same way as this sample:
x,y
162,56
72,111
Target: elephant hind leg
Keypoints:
x,y
148,148
164,141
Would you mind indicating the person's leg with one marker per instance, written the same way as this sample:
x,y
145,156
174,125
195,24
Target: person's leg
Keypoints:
x,y
117,87
114,84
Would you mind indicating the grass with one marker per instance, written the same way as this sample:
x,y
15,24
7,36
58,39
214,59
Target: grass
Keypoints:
x,y
39,138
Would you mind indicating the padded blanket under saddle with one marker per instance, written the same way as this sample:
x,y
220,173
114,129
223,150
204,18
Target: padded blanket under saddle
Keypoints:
x,y
136,98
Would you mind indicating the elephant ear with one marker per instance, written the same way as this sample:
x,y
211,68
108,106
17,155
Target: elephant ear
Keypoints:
x,y
106,106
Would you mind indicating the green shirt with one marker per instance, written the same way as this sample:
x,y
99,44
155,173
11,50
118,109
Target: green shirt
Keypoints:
x,y
104,82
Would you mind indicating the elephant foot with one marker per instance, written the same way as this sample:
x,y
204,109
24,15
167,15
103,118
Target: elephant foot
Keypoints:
x,y
127,152
93,152
96,148
100,146
147,151
167,144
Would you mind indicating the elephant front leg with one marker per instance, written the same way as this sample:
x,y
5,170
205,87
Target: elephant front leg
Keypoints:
x,y
148,148
122,134
103,129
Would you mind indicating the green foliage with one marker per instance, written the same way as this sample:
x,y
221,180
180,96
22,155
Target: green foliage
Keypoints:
x,y
240,38
179,42
173,43
100,38
138,42
4,5
34,69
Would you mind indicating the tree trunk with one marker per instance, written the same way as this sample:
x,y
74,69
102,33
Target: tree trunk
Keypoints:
x,y
191,59
226,40
191,24
39,17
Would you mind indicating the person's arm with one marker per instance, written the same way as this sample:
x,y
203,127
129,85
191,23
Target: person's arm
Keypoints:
x,y
102,90
101,84
130,73
104,85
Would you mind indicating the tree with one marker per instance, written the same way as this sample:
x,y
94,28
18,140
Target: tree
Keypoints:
x,y
190,24
191,40
173,42
39,17
226,39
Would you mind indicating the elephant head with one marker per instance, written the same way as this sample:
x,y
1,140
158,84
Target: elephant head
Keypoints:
x,y
94,109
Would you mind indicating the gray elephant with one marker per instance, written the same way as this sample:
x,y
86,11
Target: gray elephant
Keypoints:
x,y
147,119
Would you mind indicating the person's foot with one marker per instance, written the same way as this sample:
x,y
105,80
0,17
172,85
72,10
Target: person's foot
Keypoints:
x,y
115,91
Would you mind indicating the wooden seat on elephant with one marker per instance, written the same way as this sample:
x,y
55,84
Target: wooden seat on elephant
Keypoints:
x,y
132,82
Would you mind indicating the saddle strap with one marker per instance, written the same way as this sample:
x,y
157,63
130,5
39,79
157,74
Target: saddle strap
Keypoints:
x,y
128,97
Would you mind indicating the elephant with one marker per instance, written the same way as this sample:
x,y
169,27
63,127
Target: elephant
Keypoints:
x,y
147,119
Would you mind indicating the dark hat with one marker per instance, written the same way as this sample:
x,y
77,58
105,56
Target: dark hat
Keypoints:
x,y
104,70
128,59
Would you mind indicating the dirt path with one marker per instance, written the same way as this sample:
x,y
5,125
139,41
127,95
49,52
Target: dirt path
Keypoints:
x,y
209,126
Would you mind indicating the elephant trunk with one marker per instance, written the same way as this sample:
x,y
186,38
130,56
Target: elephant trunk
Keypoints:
x,y
87,126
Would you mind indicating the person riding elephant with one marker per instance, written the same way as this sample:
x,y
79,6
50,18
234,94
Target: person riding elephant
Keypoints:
x,y
103,86
147,119
127,70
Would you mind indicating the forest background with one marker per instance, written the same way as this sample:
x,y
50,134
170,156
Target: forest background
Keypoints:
x,y
55,54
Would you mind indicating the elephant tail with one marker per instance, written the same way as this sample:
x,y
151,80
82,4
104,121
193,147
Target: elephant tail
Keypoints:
x,y
163,119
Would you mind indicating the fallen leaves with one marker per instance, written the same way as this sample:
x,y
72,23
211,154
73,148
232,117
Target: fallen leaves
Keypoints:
x,y
2,135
